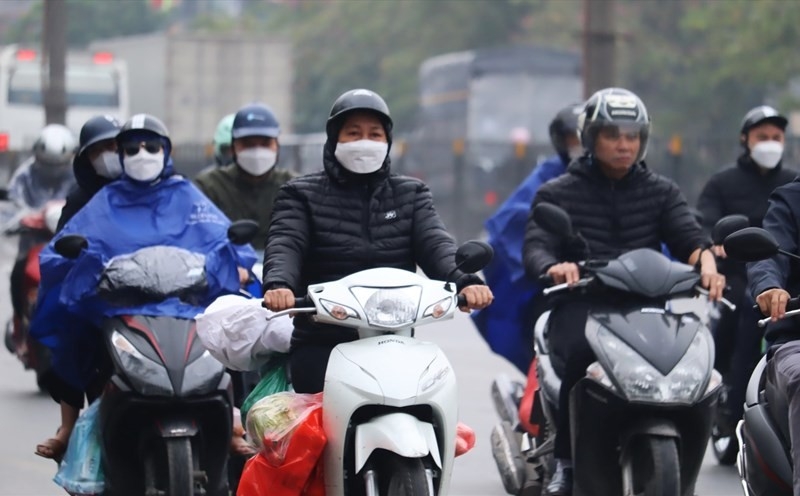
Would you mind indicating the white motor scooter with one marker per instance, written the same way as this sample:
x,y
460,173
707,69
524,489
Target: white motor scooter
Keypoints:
x,y
390,406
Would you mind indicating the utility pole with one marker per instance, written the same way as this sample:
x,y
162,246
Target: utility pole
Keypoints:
x,y
54,39
599,46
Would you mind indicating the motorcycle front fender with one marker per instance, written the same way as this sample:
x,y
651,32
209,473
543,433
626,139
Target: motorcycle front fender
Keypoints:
x,y
399,433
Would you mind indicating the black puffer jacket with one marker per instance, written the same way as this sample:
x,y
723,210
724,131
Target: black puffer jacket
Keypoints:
x,y
641,210
334,223
88,183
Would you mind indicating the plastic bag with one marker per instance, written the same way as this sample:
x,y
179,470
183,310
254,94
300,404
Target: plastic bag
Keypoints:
x,y
273,381
272,421
465,439
81,471
300,469
235,330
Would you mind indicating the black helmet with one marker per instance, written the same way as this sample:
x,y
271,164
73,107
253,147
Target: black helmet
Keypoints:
x,y
760,115
96,129
144,122
255,119
613,106
563,124
359,99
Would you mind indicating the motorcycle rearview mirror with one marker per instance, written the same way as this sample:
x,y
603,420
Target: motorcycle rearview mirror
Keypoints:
x,y
471,257
71,246
242,231
752,244
727,226
553,219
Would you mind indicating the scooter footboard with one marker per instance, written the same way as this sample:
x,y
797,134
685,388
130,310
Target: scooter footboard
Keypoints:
x,y
399,433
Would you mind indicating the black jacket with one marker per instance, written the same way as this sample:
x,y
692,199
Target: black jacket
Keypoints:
x,y
782,220
641,210
88,183
333,223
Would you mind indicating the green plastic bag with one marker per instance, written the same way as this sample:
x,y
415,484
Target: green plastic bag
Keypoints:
x,y
273,380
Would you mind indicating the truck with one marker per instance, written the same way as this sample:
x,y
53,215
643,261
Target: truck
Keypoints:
x,y
192,79
483,119
96,83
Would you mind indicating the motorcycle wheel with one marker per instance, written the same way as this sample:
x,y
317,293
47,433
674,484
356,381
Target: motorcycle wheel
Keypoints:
x,y
725,447
405,477
656,468
507,456
9,339
179,466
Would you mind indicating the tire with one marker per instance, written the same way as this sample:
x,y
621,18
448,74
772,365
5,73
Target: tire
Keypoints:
x,y
656,468
725,448
180,469
404,477
508,458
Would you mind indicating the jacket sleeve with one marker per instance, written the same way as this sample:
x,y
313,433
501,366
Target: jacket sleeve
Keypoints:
x,y
74,202
773,272
434,248
710,204
679,229
541,250
287,241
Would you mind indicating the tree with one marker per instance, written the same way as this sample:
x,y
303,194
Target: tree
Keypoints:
x,y
90,20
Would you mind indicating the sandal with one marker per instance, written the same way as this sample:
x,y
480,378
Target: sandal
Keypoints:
x,y
53,449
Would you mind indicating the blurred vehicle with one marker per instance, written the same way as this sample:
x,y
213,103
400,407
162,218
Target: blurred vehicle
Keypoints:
x,y
96,83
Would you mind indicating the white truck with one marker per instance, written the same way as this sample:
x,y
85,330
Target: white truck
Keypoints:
x,y
191,80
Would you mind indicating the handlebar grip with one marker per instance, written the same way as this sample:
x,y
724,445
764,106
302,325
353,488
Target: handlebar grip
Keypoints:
x,y
303,302
792,304
545,280
461,300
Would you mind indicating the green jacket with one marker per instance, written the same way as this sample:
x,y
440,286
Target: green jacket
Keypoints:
x,y
240,197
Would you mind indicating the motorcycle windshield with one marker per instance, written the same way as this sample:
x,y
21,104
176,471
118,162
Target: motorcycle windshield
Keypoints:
x,y
155,273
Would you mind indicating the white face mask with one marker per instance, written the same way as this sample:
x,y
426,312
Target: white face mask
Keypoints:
x,y
363,156
257,161
107,165
574,152
144,166
767,154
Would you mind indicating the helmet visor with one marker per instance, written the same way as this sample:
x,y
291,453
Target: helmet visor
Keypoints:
x,y
622,130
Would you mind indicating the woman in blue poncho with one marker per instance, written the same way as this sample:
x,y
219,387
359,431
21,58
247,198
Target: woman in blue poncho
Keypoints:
x,y
149,206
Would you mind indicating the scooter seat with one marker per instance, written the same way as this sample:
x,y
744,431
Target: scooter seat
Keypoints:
x,y
778,406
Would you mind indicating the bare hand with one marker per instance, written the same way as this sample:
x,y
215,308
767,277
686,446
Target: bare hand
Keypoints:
x,y
244,276
566,272
719,251
773,302
714,283
279,299
478,296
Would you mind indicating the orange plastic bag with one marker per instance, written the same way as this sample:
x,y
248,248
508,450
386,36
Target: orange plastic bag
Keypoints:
x,y
465,439
300,474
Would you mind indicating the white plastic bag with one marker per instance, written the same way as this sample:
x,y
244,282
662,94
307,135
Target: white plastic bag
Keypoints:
x,y
81,471
235,330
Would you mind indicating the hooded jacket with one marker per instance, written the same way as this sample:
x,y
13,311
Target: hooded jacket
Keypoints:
x,y
333,223
88,182
241,197
638,211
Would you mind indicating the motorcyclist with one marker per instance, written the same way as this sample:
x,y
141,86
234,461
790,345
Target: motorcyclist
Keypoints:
x,y
221,144
96,164
46,176
246,188
506,324
148,206
743,188
352,216
616,204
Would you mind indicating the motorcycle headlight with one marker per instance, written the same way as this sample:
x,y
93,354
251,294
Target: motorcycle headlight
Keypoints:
x,y
146,376
640,381
389,307
202,375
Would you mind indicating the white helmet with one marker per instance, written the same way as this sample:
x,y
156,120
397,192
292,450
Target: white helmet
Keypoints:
x,y
56,145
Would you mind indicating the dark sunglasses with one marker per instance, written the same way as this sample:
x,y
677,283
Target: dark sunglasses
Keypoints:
x,y
131,149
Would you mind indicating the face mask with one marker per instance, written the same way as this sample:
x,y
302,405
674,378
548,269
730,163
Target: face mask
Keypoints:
x,y
256,161
144,166
107,165
363,156
767,154
575,152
